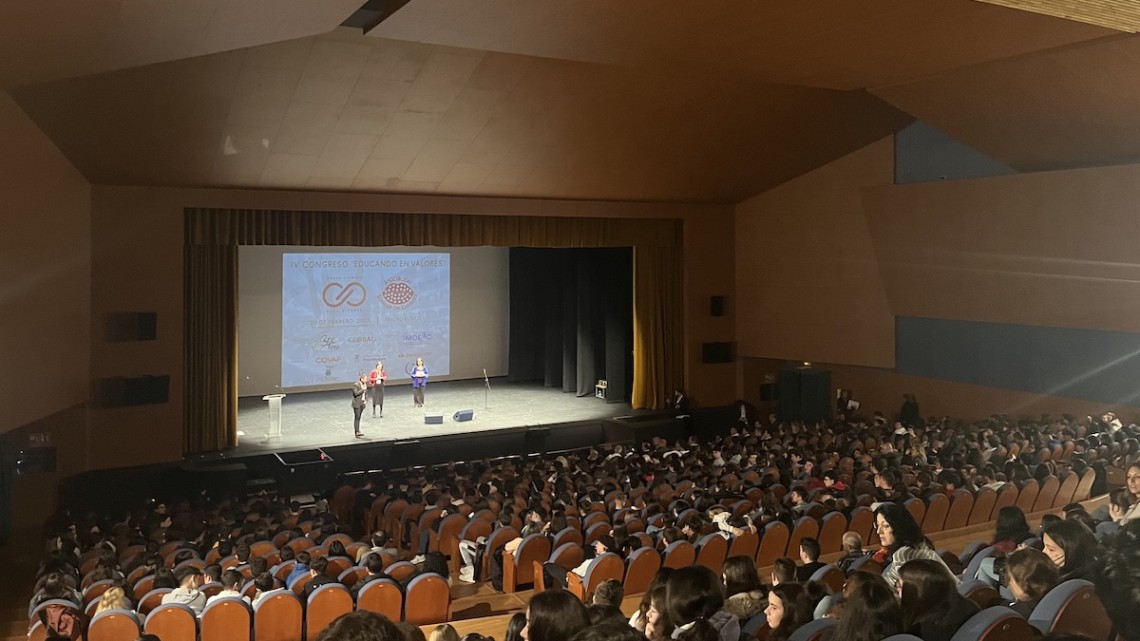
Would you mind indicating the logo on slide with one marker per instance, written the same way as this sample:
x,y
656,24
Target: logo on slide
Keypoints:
x,y
398,293
352,294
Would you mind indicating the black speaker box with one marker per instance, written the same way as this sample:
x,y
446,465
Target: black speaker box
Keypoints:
x,y
805,394
716,305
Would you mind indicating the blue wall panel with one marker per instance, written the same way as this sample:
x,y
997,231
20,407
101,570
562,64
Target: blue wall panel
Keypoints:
x,y
1080,363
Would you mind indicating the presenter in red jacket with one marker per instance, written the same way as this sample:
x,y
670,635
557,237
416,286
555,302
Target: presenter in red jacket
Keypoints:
x,y
376,381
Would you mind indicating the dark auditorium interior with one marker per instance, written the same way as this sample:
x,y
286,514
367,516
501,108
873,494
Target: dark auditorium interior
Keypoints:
x,y
884,252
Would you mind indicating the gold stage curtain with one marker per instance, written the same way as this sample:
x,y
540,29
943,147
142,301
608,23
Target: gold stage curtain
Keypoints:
x,y
213,235
209,408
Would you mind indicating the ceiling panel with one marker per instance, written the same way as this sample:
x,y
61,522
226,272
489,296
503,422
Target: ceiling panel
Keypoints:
x,y
824,43
1122,15
46,40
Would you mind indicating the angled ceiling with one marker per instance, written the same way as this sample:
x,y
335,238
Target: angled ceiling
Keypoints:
x,y
642,100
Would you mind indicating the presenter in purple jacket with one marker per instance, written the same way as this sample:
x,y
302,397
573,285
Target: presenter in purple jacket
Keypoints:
x,y
419,381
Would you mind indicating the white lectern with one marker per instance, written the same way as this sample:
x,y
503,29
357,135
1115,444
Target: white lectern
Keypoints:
x,y
274,415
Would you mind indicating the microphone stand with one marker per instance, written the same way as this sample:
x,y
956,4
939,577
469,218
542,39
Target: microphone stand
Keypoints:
x,y
486,388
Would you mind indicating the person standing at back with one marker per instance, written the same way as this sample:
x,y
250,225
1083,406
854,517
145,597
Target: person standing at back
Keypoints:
x,y
376,380
359,401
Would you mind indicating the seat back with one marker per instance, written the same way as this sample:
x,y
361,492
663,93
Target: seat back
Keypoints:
x,y
603,568
743,545
640,568
995,624
971,570
937,508
400,570
151,600
326,603
429,600
172,622
114,625
1006,496
916,508
862,521
1027,497
958,515
981,593
568,534
518,568
1050,485
496,540
711,551
382,596
278,618
805,527
1066,491
450,528
595,531
679,554
1072,607
831,530
830,576
227,619
866,564
1084,486
815,630
984,500
772,544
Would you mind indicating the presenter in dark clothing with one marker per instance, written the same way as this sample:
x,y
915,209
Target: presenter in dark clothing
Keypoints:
x,y
359,401
419,381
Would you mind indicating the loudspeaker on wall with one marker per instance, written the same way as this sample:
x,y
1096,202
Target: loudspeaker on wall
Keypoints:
x,y
716,305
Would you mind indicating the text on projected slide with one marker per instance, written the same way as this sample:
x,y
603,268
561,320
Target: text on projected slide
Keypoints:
x,y
340,313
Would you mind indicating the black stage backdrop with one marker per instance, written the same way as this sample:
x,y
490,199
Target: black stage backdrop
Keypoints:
x,y
572,319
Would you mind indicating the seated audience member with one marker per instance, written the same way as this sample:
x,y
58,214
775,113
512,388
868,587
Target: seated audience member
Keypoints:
x,y
434,563
375,565
317,576
655,625
362,625
1030,575
337,550
903,539
852,547
1119,587
265,586
380,544
554,615
515,627
1073,549
783,571
798,500
55,587
809,556
164,578
599,613
300,569
745,596
609,592
608,630
1011,529
932,608
187,592
695,600
556,574
231,586
788,609
1120,503
471,551
212,573
870,612
115,598
444,632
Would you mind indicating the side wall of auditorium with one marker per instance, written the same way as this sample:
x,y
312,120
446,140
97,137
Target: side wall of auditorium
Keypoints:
x,y
872,281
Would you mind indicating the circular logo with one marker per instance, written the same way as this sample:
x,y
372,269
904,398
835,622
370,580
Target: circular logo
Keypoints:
x,y
398,293
352,294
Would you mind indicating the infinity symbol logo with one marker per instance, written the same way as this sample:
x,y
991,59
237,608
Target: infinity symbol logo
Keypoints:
x,y
352,294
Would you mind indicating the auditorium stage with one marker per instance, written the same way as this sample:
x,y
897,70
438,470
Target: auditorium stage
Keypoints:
x,y
324,419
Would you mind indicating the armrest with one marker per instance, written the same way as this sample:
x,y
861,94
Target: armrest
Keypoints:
x,y
575,586
539,577
510,572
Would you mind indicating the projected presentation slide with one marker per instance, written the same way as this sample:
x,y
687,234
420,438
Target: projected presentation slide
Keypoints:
x,y
340,313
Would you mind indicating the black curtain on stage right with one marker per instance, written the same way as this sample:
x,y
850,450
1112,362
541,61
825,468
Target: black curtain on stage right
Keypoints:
x,y
571,315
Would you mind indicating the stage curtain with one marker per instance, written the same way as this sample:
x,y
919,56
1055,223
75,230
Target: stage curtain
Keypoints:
x,y
657,325
210,340
213,235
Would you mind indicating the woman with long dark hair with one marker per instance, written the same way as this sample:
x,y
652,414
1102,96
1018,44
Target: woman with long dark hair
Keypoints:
x,y
1073,549
870,612
554,615
903,539
788,609
1011,530
932,608
745,596
695,597
1030,576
